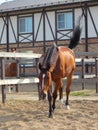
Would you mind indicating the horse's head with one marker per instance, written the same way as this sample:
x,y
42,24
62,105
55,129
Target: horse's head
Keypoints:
x,y
45,79
46,67
13,49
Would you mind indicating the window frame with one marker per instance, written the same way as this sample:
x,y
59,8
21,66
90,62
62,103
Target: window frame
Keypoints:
x,y
26,31
72,24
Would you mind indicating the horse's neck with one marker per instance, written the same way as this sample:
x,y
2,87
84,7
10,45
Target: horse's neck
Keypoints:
x,y
53,62
51,56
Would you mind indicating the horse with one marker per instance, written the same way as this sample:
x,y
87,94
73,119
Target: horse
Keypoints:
x,y
57,63
11,70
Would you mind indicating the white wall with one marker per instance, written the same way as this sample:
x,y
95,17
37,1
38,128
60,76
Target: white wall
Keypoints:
x,y
91,31
51,16
37,17
3,39
14,24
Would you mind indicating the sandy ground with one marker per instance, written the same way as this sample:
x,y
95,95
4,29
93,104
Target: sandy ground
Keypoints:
x,y
23,111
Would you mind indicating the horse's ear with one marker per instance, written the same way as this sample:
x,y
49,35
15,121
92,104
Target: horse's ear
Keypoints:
x,y
57,48
15,48
40,66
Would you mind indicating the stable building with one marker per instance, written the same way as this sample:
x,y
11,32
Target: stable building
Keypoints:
x,y
35,24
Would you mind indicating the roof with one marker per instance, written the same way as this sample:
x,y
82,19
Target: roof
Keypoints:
x,y
27,4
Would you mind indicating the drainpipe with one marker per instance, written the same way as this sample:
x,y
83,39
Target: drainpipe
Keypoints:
x,y
7,32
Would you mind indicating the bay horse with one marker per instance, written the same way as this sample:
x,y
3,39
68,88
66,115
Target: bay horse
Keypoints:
x,y
11,69
57,63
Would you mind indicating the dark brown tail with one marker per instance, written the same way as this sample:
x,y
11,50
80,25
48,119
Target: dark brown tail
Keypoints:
x,y
74,41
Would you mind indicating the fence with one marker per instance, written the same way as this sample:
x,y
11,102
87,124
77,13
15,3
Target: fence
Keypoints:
x,y
17,80
88,60
92,58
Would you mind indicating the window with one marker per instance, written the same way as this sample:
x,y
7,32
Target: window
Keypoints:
x,y
65,20
25,25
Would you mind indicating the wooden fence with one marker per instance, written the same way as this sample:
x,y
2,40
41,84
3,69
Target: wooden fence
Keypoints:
x,y
91,58
17,80
86,59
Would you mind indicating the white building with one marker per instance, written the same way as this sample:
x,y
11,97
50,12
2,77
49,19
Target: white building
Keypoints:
x,y
38,22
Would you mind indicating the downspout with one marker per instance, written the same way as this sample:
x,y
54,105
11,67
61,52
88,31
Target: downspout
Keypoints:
x,y
7,32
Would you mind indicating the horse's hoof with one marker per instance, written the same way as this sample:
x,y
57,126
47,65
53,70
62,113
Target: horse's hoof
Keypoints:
x,y
61,101
50,115
67,106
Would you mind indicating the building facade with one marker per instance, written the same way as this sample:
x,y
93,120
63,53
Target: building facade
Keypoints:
x,y
33,23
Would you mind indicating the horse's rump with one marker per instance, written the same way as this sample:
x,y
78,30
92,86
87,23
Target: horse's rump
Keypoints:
x,y
65,63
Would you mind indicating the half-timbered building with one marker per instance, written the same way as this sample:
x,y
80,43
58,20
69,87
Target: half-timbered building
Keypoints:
x,y
36,24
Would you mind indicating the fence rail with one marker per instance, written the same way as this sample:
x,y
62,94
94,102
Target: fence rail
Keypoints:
x,y
19,55
19,81
90,54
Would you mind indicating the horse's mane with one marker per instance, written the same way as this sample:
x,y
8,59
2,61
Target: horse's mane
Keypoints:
x,y
51,56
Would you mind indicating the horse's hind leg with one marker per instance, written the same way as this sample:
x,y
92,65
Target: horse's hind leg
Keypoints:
x,y
69,82
61,93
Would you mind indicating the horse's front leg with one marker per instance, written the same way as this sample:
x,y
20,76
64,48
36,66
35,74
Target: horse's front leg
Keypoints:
x,y
57,88
50,104
54,98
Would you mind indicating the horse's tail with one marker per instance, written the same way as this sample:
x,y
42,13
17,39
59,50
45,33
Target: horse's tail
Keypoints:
x,y
74,41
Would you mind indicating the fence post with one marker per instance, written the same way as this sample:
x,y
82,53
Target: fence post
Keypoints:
x,y
3,77
83,73
96,65
39,89
17,89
